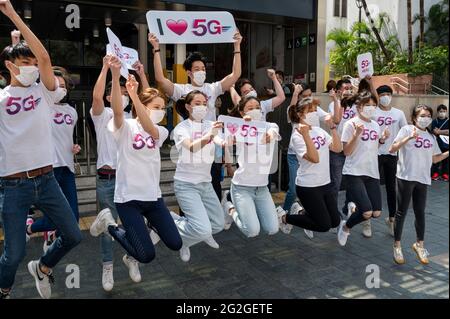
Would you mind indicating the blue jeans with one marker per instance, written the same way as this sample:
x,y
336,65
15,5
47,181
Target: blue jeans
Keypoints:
x,y
44,193
291,194
134,236
66,180
203,213
254,205
105,197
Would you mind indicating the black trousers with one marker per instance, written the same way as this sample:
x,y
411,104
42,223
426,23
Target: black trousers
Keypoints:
x,y
387,164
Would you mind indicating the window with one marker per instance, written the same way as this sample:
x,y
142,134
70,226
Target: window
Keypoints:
x,y
337,7
344,9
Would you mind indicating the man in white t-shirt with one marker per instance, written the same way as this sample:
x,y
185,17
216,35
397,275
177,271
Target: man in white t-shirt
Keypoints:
x,y
195,66
26,159
244,88
107,155
392,119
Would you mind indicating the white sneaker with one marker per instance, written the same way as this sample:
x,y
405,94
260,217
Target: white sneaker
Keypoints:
x,y
154,237
211,242
285,228
227,206
390,226
29,221
398,255
101,223
351,208
296,209
309,233
42,280
228,218
133,268
342,235
107,277
367,229
185,254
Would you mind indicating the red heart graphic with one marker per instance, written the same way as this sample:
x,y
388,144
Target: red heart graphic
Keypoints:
x,y
232,128
178,27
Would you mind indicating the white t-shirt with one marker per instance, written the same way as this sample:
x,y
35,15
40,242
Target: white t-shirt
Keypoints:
x,y
212,91
313,174
255,161
63,119
364,159
416,157
322,114
347,115
393,120
138,162
192,167
25,131
106,144
266,108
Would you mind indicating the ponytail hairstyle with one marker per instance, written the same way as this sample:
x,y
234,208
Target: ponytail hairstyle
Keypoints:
x,y
180,105
236,111
415,112
146,97
303,106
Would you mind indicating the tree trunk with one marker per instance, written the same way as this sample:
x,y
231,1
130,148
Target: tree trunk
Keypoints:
x,y
422,24
410,40
375,31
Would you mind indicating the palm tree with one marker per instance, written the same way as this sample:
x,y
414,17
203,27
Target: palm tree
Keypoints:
x,y
375,31
422,19
437,21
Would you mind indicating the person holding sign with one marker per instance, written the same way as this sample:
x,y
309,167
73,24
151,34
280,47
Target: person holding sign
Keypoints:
x,y
392,119
312,147
418,150
195,139
137,194
361,138
252,206
244,88
107,155
26,160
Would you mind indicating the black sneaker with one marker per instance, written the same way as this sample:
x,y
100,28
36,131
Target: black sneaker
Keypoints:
x,y
4,295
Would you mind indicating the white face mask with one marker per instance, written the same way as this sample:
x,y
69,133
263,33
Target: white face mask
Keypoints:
x,y
60,94
28,75
442,115
424,122
252,93
125,101
157,115
312,119
199,112
368,111
385,100
255,115
199,77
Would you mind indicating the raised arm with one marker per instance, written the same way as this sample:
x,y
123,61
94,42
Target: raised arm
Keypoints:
x,y
297,90
141,73
99,89
235,97
280,97
196,145
337,109
15,37
231,78
349,146
144,119
38,49
116,94
166,85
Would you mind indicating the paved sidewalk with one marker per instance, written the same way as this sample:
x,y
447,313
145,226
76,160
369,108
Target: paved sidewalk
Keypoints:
x,y
280,266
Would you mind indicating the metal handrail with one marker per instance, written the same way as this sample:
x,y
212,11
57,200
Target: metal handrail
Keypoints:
x,y
434,87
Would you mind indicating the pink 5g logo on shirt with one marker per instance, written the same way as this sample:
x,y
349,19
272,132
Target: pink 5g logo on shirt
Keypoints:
x,y
423,143
139,142
385,121
15,104
318,141
61,118
369,135
348,114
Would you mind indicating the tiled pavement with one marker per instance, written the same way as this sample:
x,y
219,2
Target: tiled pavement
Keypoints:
x,y
280,266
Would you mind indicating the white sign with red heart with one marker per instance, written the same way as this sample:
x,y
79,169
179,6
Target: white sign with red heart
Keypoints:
x,y
242,130
192,26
